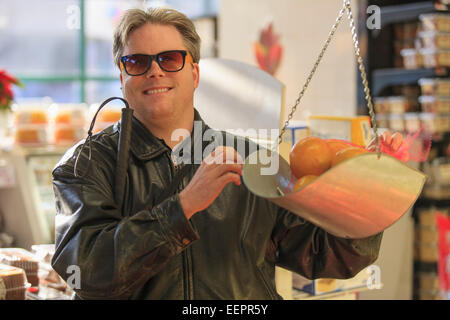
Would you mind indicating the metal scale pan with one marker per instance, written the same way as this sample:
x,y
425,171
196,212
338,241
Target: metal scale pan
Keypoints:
x,y
360,197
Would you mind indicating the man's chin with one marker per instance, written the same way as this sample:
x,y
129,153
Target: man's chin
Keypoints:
x,y
150,112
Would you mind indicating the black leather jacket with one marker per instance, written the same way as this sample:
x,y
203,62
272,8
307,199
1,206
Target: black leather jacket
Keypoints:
x,y
147,249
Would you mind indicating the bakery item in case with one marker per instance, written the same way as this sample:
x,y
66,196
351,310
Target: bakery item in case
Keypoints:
x,y
13,284
23,259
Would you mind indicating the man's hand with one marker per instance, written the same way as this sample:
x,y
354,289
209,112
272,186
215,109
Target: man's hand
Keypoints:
x,y
222,166
393,142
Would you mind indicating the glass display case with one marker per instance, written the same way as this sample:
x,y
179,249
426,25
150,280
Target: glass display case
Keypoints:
x,y
28,204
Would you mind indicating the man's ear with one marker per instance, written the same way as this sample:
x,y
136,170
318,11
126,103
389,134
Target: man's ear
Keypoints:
x,y
196,74
121,81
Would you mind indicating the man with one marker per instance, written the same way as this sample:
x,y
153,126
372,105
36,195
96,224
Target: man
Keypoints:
x,y
208,238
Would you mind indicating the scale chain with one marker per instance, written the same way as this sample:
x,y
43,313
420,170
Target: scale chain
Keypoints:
x,y
346,7
362,72
313,71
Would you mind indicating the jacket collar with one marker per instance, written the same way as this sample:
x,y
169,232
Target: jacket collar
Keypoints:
x,y
145,146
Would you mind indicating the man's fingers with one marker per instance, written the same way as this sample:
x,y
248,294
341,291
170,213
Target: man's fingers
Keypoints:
x,y
224,154
230,167
397,140
229,177
386,137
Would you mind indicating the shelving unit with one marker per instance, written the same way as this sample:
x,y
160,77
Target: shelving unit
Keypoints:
x,y
383,78
387,79
410,11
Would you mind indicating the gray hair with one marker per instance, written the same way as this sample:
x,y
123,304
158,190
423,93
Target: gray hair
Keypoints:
x,y
135,18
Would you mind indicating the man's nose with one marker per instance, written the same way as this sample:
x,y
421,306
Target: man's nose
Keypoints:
x,y
155,70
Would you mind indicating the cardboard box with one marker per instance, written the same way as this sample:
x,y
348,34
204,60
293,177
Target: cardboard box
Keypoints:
x,y
353,129
295,131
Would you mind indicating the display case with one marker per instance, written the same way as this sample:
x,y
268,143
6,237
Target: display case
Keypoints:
x,y
27,202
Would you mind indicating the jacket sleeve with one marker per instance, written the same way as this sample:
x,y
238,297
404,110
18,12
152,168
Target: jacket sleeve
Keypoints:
x,y
313,253
115,253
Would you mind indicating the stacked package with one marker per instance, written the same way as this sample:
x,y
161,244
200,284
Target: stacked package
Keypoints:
x,y
13,283
68,123
435,104
23,259
430,47
107,116
31,124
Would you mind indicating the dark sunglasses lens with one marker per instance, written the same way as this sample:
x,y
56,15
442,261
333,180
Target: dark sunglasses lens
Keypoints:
x,y
171,61
136,64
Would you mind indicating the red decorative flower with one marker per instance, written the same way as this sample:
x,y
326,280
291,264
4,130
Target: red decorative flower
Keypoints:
x,y
268,51
6,93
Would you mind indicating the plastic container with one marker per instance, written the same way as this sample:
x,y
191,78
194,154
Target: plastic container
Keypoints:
x,y
440,171
436,86
428,252
396,122
31,114
109,115
67,113
435,104
13,283
428,281
23,259
382,121
30,135
433,58
435,40
398,104
428,122
68,134
412,121
427,234
442,123
411,58
435,22
381,105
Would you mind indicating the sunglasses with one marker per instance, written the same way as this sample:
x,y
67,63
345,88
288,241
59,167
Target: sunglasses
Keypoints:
x,y
169,61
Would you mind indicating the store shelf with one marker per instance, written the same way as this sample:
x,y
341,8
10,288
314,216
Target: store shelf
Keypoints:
x,y
421,266
382,78
408,12
425,202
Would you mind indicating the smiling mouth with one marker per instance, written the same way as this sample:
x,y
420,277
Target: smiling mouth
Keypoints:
x,y
154,91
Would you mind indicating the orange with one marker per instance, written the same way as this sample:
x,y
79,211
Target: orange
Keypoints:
x,y
303,181
310,156
347,154
337,146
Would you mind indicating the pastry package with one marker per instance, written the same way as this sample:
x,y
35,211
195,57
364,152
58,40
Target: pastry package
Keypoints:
x,y
435,86
23,259
13,283
435,58
435,22
435,104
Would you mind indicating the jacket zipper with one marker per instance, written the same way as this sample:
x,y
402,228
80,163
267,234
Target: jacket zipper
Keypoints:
x,y
186,254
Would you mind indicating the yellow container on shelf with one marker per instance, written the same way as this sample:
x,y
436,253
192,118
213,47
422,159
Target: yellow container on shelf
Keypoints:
x,y
354,129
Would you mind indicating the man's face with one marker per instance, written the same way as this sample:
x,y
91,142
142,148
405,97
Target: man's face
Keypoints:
x,y
142,92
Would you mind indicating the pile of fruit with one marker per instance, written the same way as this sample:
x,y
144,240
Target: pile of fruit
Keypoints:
x,y
312,156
